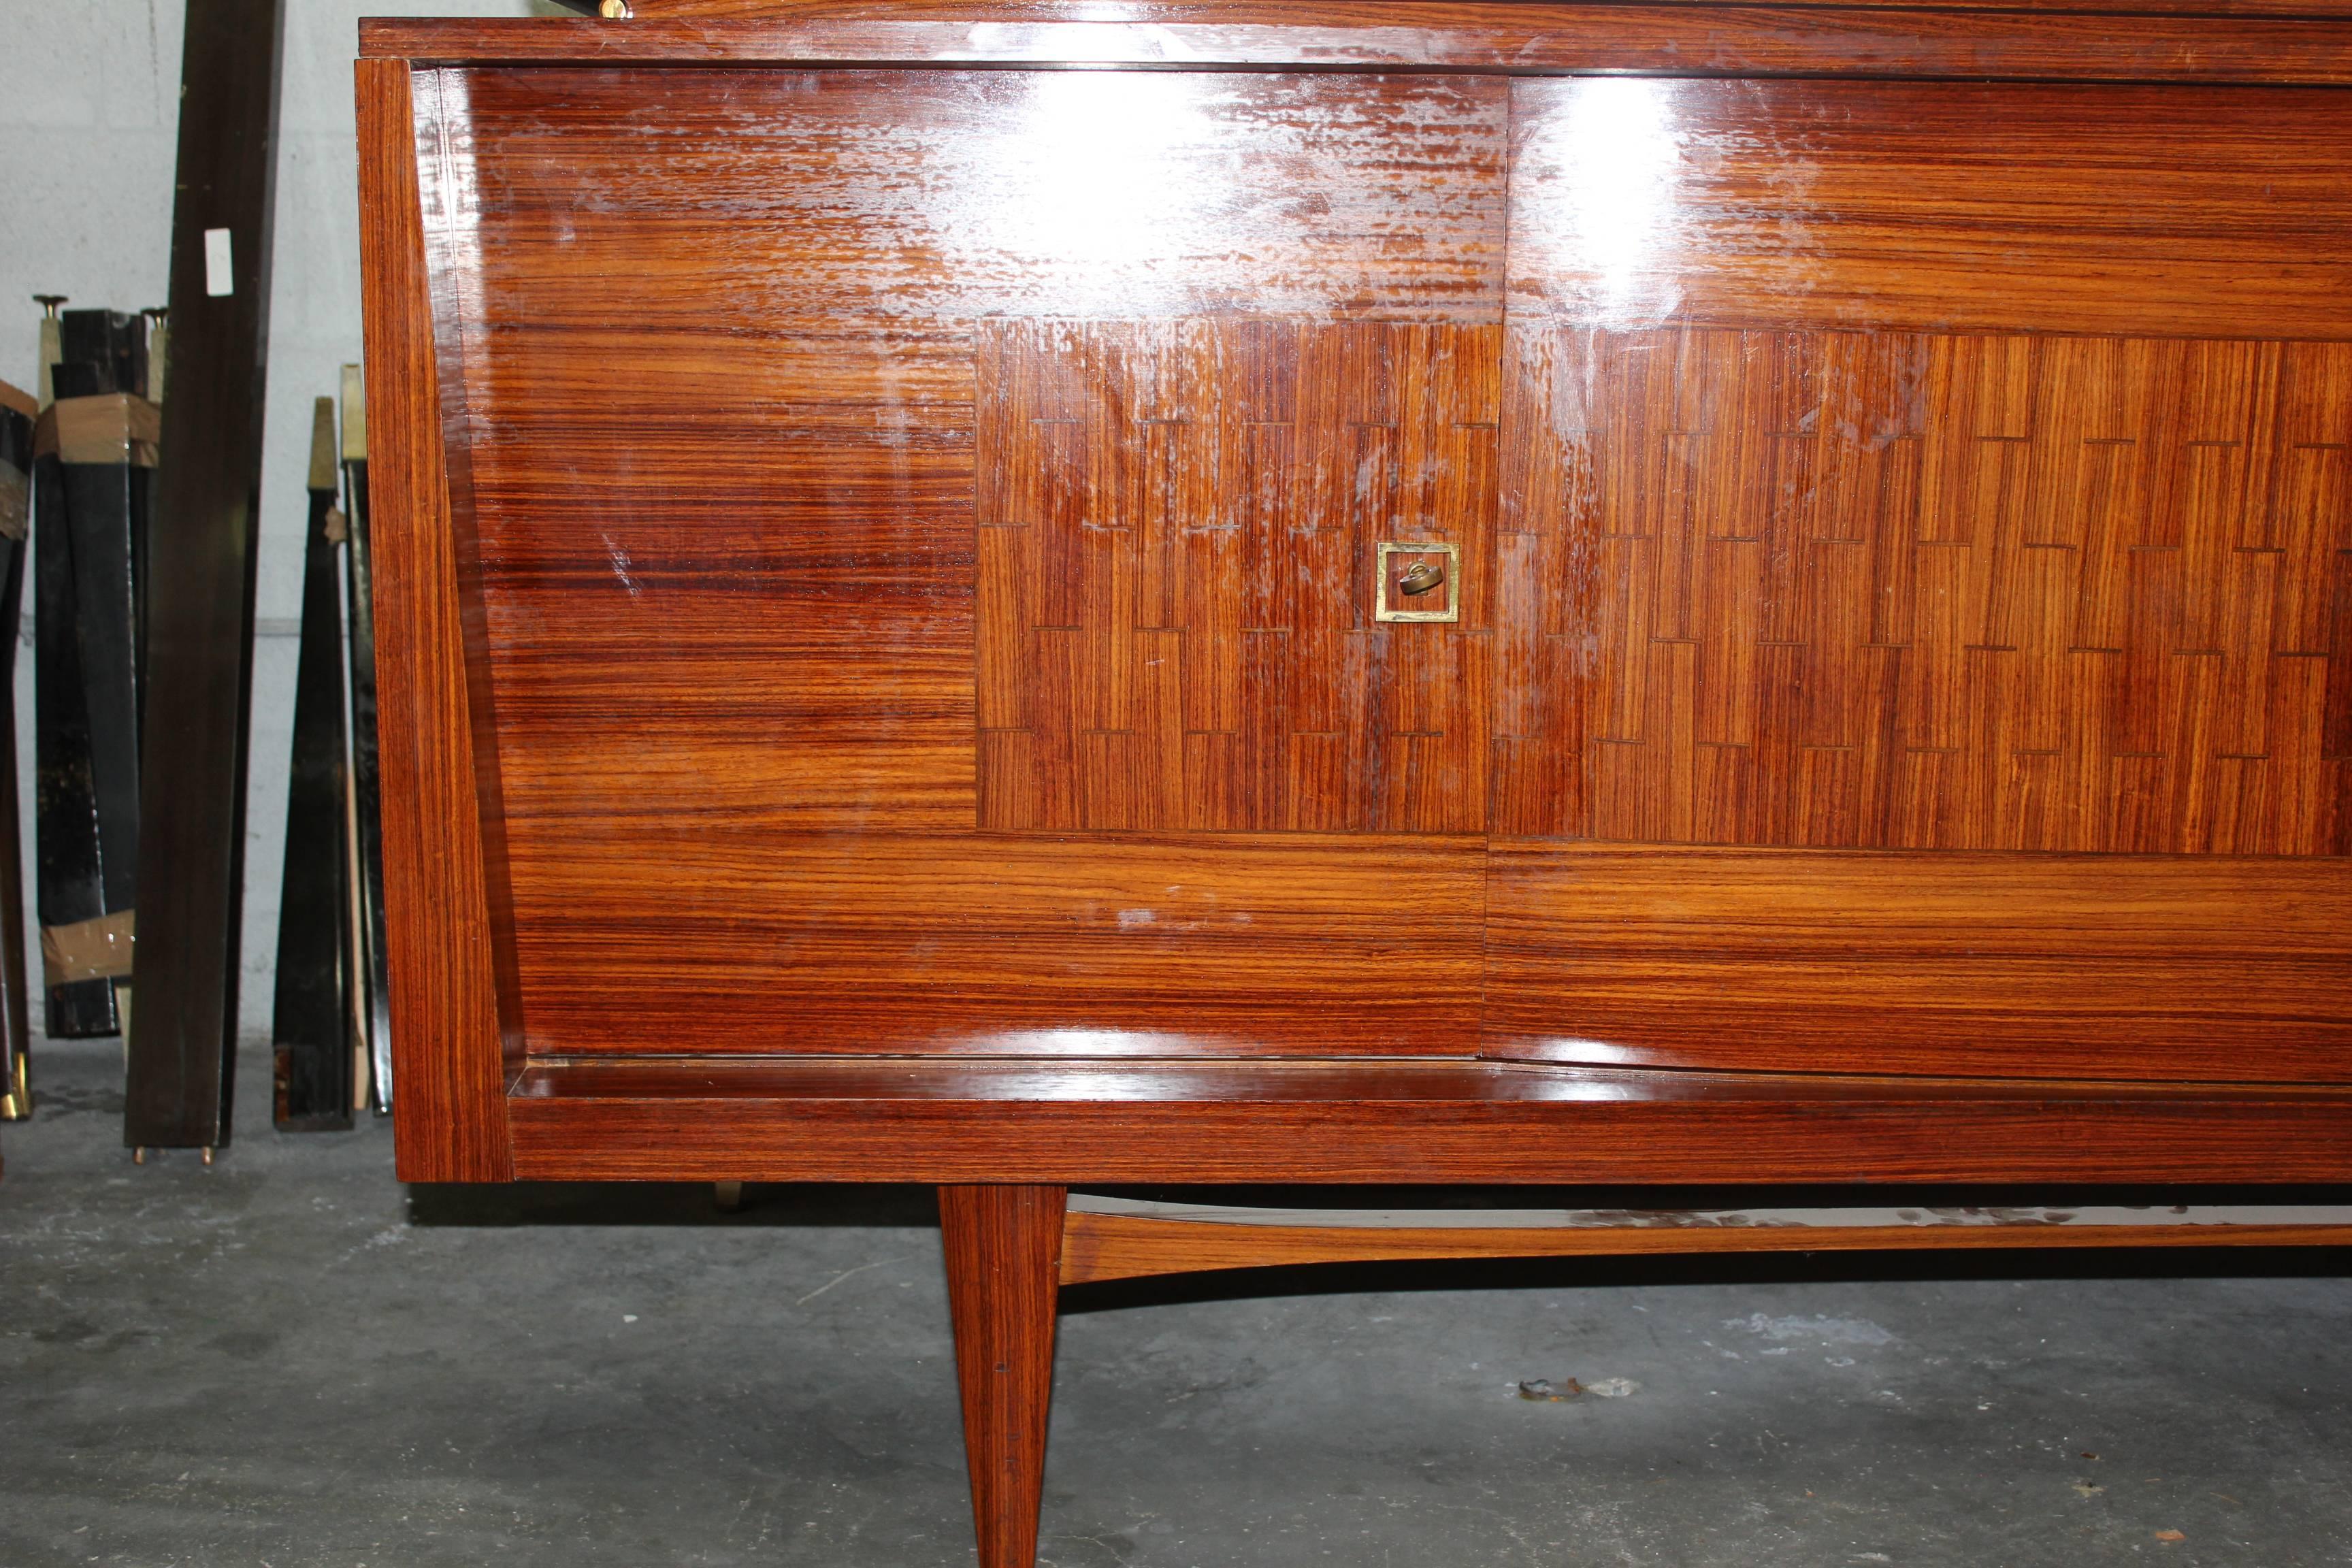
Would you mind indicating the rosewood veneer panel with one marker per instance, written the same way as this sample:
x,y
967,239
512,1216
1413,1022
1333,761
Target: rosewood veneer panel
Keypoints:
x,y
1012,944
1391,1122
1933,206
1437,16
794,652
1178,533
2153,967
987,484
1926,591
728,595
450,1036
1098,1246
734,582
1978,535
1676,40
718,203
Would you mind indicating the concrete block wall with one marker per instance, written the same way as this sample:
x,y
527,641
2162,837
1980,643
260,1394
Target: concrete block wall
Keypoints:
x,y
87,134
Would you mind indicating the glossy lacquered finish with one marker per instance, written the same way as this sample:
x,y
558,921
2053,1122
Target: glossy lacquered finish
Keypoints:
x,y
930,1119
2029,965
885,550
181,1050
1003,1255
1179,532
2019,44
1359,14
1101,1246
442,879
1934,592
969,647
2117,210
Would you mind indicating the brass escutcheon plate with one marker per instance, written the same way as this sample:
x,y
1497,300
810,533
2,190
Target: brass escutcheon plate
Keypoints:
x,y
1385,592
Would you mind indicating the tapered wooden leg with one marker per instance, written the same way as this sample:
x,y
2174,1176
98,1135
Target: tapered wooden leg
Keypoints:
x,y
1005,1256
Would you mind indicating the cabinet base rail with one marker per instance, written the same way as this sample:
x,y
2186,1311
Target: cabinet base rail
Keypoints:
x,y
1011,1248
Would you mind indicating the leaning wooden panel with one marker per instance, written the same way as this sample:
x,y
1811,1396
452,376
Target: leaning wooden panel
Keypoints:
x,y
452,1125
2005,965
1014,944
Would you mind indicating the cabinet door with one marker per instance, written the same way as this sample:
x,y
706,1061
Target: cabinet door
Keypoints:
x,y
1921,633
926,524
1182,578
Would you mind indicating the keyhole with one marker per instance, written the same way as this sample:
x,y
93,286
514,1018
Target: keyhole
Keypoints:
x,y
1420,577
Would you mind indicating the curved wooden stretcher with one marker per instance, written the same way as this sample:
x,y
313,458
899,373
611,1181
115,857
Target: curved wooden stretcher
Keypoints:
x,y
1038,597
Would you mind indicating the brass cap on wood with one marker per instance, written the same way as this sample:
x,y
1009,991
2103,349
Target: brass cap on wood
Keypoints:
x,y
322,445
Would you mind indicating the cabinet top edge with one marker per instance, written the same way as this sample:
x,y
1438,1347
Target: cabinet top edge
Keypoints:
x,y
2272,46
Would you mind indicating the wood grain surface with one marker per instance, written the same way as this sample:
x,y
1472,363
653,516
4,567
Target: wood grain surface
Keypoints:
x,y
876,563
1938,207
1004,1248
1099,1247
1674,40
1028,944
950,635
2019,965
1367,1122
450,1066
741,577
1926,591
737,579
1177,595
191,686
1363,12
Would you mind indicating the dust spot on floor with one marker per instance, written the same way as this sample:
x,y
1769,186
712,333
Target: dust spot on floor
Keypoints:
x,y
1828,1330
245,1344
1545,1389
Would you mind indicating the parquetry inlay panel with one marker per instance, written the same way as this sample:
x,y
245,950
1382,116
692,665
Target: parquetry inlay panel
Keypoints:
x,y
1944,592
1176,523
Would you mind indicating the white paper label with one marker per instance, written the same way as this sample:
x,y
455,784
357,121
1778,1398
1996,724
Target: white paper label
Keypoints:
x,y
220,269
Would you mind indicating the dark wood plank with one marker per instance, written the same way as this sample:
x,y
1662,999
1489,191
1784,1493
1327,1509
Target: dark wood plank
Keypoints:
x,y
1079,1123
1665,40
94,488
198,606
320,991
1028,944
1787,206
449,1052
18,411
1003,1251
2015,965
374,986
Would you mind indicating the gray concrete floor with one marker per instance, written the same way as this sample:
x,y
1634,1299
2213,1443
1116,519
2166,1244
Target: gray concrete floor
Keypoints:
x,y
289,1360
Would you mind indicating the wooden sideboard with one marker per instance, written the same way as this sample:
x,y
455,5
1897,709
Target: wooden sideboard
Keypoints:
x,y
1038,597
